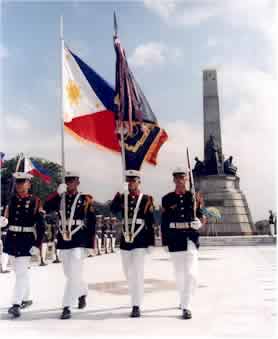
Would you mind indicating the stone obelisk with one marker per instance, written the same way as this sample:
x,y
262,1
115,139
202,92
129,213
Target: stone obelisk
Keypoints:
x,y
218,180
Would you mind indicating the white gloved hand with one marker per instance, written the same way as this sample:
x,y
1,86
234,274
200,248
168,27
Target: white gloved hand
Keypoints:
x,y
62,188
3,221
196,224
165,248
34,251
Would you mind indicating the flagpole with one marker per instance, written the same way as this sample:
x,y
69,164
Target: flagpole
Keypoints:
x,y
125,184
191,179
63,204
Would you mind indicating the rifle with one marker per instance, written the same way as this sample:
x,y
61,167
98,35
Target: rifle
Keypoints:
x,y
12,184
191,181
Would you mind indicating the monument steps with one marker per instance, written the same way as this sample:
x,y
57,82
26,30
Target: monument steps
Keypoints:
x,y
237,240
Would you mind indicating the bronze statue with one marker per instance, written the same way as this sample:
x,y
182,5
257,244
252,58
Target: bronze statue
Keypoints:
x,y
229,167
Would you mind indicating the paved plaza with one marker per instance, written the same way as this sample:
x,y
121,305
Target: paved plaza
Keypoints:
x,y
236,297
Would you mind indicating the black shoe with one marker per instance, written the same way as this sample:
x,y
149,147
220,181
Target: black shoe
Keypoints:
x,y
56,261
43,264
14,311
135,313
5,271
66,314
26,303
186,314
82,302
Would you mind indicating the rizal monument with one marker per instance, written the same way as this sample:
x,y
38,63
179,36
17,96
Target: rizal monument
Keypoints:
x,y
215,177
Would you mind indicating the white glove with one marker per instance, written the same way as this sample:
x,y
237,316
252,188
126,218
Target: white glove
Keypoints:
x,y
165,248
62,188
196,224
3,221
34,251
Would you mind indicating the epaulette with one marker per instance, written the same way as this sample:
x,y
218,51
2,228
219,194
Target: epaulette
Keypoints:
x,y
88,203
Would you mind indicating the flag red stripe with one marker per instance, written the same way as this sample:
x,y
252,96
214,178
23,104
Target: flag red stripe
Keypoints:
x,y
44,177
97,128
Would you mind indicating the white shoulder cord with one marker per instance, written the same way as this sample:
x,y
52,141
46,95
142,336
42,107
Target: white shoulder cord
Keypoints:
x,y
73,207
133,235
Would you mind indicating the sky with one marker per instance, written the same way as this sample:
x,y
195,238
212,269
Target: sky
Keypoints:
x,y
168,45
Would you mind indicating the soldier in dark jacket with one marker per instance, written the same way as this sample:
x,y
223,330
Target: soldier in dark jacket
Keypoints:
x,y
179,228
74,238
3,234
137,235
26,228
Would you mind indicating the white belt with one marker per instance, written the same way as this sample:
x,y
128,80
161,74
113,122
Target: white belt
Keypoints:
x,y
179,225
14,228
137,222
195,224
77,222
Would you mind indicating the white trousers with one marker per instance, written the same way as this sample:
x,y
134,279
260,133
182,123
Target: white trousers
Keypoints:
x,y
113,243
4,261
271,226
22,280
186,273
133,267
99,244
43,252
72,260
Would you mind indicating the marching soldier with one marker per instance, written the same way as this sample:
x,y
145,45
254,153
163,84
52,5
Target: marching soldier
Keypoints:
x,y
137,235
113,234
73,239
179,229
106,234
98,233
3,234
44,248
25,231
52,225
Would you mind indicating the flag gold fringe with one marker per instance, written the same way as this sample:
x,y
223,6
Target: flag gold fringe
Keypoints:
x,y
85,141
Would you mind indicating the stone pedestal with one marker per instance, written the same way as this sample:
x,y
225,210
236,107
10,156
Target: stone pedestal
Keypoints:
x,y
223,192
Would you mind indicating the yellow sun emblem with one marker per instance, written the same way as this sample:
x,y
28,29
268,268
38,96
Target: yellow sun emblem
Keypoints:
x,y
73,91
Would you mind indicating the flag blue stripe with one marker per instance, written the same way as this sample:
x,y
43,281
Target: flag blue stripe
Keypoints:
x,y
40,168
101,87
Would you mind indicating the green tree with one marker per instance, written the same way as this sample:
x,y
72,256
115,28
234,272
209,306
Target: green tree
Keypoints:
x,y
39,187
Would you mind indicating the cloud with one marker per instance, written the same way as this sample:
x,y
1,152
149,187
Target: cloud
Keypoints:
x,y
153,53
211,42
16,123
254,14
249,130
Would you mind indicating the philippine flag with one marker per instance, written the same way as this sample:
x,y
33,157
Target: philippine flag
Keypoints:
x,y
2,156
32,167
88,104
